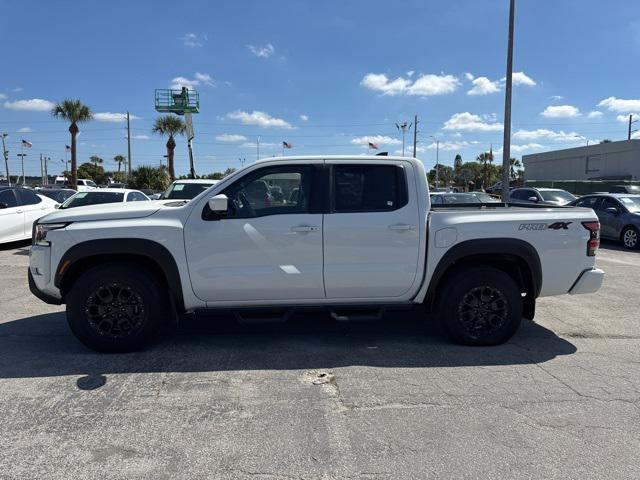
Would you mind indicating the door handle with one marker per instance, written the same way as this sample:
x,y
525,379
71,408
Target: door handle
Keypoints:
x,y
19,211
400,227
305,228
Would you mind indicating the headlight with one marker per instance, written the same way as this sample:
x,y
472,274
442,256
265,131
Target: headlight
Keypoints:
x,y
40,231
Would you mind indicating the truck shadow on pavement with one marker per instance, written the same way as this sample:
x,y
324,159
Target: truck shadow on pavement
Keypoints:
x,y
43,346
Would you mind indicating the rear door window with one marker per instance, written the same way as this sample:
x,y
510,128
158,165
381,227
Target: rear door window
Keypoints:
x,y
368,188
8,198
27,197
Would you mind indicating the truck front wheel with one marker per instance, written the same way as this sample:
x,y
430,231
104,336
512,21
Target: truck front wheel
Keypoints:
x,y
480,306
116,307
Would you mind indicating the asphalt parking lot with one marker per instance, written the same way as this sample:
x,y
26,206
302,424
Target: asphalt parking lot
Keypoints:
x,y
316,400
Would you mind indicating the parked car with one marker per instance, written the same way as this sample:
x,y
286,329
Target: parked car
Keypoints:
x,y
359,238
625,189
19,208
57,194
186,189
543,196
83,184
103,195
452,198
619,216
484,197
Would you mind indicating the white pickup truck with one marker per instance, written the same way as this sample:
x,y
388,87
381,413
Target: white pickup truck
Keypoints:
x,y
353,235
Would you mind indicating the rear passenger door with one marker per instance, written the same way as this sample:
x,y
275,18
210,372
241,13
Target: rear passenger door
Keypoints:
x,y
33,208
371,233
11,216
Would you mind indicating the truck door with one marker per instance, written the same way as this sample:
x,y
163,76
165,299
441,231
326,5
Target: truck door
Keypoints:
x,y
371,235
269,245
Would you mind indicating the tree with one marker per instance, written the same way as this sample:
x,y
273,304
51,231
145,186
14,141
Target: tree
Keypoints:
x,y
457,162
606,140
152,178
170,126
119,159
74,112
95,159
486,159
93,172
514,167
445,174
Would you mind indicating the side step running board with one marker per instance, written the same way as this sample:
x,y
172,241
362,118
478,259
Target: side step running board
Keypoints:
x,y
360,314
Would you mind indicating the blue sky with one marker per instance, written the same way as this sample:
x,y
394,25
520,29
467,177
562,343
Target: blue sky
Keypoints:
x,y
325,76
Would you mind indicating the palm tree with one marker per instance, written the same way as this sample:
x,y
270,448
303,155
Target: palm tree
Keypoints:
x,y
484,158
74,112
95,159
169,125
119,159
514,165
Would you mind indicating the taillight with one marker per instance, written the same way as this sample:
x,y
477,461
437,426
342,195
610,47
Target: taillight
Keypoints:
x,y
594,237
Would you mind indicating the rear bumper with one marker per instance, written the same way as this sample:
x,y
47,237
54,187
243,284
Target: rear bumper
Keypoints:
x,y
589,281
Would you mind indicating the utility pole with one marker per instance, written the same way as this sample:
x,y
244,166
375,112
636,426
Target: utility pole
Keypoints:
x,y
403,127
22,155
258,148
631,122
41,170
5,154
506,143
128,147
46,169
415,135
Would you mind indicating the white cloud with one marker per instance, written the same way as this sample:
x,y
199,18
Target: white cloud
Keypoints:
x,y
205,78
424,85
556,97
620,105
410,73
469,76
3,96
470,122
192,40
226,137
377,139
263,145
625,118
594,114
543,133
140,136
113,117
526,147
25,130
519,78
447,146
17,89
304,118
560,111
199,78
262,51
483,86
33,105
258,118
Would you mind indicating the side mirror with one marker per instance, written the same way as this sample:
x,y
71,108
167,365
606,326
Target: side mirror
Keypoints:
x,y
4,205
219,204
533,199
612,210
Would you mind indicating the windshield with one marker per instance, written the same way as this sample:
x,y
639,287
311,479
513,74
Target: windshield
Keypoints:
x,y
185,191
82,199
558,196
632,203
455,198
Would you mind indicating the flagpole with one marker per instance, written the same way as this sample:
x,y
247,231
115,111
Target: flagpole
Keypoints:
x,y
22,161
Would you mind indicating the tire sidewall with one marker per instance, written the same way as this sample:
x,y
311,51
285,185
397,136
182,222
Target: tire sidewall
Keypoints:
x,y
140,281
464,281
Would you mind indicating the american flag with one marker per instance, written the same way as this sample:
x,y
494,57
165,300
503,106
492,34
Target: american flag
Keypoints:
x,y
373,146
27,143
287,145
67,148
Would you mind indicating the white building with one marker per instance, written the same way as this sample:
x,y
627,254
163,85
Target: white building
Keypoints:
x,y
603,161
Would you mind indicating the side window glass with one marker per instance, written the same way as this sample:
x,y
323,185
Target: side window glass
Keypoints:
x,y
368,188
27,197
8,198
270,191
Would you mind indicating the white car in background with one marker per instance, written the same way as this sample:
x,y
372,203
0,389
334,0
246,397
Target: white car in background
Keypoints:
x,y
84,184
19,208
103,196
186,189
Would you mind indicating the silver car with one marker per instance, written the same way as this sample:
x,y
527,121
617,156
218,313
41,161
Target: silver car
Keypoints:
x,y
619,216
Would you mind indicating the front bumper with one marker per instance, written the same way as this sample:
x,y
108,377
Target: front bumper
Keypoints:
x,y
589,281
39,293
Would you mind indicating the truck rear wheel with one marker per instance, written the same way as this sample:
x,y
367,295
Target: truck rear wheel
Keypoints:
x,y
481,306
116,307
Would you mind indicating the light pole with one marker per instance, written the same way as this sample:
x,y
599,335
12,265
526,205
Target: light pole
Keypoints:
x,y
403,127
437,159
22,155
5,154
506,141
